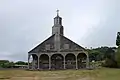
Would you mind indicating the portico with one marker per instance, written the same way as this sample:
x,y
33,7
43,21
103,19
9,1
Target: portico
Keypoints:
x,y
64,60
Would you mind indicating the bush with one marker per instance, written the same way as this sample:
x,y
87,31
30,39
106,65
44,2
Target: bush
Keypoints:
x,y
118,56
6,64
109,63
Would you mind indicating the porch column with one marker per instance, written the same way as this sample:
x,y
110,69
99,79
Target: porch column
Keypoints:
x,y
28,61
64,63
87,61
38,62
49,62
33,64
76,62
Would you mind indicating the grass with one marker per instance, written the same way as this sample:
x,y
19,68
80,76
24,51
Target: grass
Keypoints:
x,y
97,74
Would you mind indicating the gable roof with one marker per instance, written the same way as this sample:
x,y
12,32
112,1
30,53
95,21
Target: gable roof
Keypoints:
x,y
72,43
39,47
63,40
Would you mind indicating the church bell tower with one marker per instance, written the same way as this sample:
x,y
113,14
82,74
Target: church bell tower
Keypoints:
x,y
57,27
57,30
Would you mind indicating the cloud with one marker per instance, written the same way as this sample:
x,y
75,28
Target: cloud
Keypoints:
x,y
104,34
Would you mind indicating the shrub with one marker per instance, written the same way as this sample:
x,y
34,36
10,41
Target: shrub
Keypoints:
x,y
110,63
118,56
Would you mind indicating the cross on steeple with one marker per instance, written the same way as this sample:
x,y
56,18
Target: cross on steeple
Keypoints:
x,y
57,12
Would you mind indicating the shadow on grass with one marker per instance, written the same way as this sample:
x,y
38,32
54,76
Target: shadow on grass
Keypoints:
x,y
6,78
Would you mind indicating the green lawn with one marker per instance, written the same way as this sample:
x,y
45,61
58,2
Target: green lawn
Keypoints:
x,y
98,74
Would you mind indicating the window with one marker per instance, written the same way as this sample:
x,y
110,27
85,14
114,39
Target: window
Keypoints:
x,y
47,46
66,46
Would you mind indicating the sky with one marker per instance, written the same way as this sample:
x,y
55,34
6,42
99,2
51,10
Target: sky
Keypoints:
x,y
26,23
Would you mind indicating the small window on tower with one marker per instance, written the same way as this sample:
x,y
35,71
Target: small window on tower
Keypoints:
x,y
66,46
47,46
58,21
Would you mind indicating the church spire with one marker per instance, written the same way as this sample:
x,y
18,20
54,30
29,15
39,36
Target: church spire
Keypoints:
x,y
57,19
57,27
57,12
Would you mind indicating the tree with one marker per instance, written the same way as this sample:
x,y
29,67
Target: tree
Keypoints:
x,y
11,64
118,50
6,64
111,63
95,54
21,63
98,54
110,53
110,58
118,39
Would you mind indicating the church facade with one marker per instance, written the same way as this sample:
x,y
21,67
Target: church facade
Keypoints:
x,y
58,52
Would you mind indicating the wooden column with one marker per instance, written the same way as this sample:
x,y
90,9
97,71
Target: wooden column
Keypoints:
x,y
76,62
33,64
38,62
28,61
64,63
49,62
87,61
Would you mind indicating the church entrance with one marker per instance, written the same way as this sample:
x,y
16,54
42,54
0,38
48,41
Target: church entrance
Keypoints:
x,y
70,61
44,61
57,61
81,59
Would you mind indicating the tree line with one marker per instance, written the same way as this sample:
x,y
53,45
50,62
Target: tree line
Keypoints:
x,y
110,56
9,64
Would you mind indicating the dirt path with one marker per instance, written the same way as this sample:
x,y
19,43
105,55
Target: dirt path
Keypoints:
x,y
43,78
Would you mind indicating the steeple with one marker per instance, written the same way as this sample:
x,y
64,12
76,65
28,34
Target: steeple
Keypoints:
x,y
57,12
57,27
58,19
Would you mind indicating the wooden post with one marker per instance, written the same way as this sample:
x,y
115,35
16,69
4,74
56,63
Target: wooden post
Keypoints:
x,y
49,62
76,62
28,61
64,63
87,61
38,62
